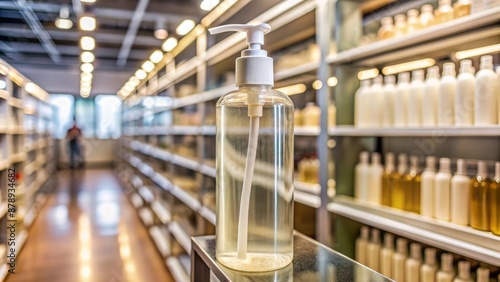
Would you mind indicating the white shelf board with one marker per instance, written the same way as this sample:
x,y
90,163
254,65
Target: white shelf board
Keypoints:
x,y
294,71
176,269
136,200
185,130
307,199
185,197
306,130
4,270
18,157
216,93
438,32
462,240
185,162
160,241
162,181
21,240
309,188
208,214
493,130
146,216
161,212
180,236
4,94
187,101
146,194
208,170
208,130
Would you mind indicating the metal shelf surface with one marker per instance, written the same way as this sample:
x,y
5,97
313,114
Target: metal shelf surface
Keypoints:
x,y
462,240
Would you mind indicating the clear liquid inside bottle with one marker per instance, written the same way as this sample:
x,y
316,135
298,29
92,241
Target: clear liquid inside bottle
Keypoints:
x,y
270,213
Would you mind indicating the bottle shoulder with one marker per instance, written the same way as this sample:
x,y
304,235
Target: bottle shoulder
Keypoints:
x,y
267,97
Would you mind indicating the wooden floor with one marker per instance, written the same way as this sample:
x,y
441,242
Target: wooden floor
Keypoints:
x,y
88,231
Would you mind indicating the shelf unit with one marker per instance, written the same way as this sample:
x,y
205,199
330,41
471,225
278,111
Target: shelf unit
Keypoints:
x,y
169,140
26,145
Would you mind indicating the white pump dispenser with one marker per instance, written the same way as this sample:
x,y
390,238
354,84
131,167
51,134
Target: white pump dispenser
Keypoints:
x,y
254,106
254,66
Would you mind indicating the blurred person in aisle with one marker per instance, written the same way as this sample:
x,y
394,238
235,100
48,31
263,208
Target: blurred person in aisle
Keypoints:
x,y
74,146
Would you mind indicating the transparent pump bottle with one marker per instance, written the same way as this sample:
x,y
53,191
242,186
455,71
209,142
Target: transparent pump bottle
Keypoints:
x,y
254,164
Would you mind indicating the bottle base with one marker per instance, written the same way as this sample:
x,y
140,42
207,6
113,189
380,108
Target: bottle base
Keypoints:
x,y
255,262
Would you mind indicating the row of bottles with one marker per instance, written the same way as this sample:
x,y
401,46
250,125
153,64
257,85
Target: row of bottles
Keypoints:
x,y
413,21
308,169
469,201
393,260
465,100
311,115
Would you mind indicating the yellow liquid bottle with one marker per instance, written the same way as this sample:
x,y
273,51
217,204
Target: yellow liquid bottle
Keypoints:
x,y
479,211
461,8
445,12
387,179
400,26
427,18
412,23
412,187
494,197
386,31
398,195
417,182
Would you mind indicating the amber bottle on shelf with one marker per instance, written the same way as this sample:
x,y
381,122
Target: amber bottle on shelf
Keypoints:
x,y
398,196
461,8
387,179
386,31
494,197
479,210
445,12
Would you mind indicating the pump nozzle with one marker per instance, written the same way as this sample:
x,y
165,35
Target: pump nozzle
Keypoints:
x,y
254,67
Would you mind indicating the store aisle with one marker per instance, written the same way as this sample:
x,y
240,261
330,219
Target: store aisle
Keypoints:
x,y
88,231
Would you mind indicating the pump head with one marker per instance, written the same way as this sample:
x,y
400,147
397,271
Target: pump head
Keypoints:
x,y
254,67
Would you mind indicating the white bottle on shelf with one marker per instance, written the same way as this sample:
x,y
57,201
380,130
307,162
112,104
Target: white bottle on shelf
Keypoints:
x,y
389,92
311,115
401,101
361,245
376,170
361,105
373,251
399,259
446,273
442,191
463,272
429,268
483,275
413,263
447,92
460,195
430,98
415,99
362,171
386,255
427,187
464,102
486,94
376,102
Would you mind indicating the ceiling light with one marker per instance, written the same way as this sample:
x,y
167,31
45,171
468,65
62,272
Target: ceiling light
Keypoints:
x,y
87,67
88,1
87,57
148,66
30,87
63,21
223,7
160,31
156,57
86,76
367,74
85,82
477,51
293,89
332,81
134,81
169,44
87,43
87,23
413,65
208,5
140,74
317,84
184,27
128,87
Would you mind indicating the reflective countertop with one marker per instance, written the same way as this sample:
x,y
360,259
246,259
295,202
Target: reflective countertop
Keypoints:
x,y
312,262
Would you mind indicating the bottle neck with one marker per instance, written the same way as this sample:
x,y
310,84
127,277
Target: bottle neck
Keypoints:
x,y
255,87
